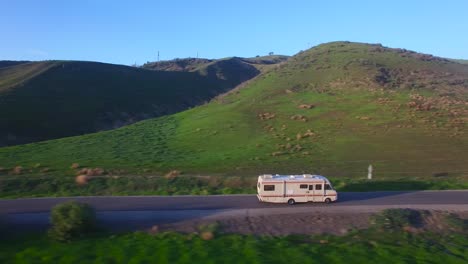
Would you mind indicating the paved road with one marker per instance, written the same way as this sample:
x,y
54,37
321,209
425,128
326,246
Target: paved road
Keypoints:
x,y
225,202
138,212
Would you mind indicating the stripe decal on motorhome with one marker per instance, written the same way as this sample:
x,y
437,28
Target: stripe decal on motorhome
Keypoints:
x,y
297,195
292,182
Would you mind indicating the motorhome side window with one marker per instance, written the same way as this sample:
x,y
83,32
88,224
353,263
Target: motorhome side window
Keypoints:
x,y
303,186
268,187
328,187
318,186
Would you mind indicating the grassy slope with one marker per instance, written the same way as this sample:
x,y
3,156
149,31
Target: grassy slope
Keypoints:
x,y
47,100
12,74
344,80
362,247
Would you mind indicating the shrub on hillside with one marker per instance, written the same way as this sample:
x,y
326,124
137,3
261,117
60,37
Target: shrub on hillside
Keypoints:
x,y
71,220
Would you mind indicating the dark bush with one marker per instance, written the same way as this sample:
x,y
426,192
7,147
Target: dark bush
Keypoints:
x,y
3,223
455,221
71,220
396,218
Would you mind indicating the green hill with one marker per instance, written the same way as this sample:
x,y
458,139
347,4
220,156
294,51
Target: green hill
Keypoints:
x,y
333,109
54,99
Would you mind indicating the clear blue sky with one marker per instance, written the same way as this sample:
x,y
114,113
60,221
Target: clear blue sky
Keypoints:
x,y
126,32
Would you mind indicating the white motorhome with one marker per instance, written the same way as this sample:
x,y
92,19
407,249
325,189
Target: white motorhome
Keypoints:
x,y
293,189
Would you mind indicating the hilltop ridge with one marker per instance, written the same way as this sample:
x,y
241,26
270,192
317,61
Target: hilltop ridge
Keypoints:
x,y
196,64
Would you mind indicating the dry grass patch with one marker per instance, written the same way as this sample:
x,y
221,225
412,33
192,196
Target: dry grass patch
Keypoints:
x,y
172,174
306,106
298,147
207,235
17,170
308,133
420,103
266,116
299,118
214,181
154,230
91,171
363,117
207,231
298,136
81,179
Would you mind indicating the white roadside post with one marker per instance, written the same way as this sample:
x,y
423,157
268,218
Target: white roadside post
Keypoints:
x,y
369,172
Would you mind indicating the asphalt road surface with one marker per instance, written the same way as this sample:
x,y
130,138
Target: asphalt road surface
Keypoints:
x,y
135,212
219,202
